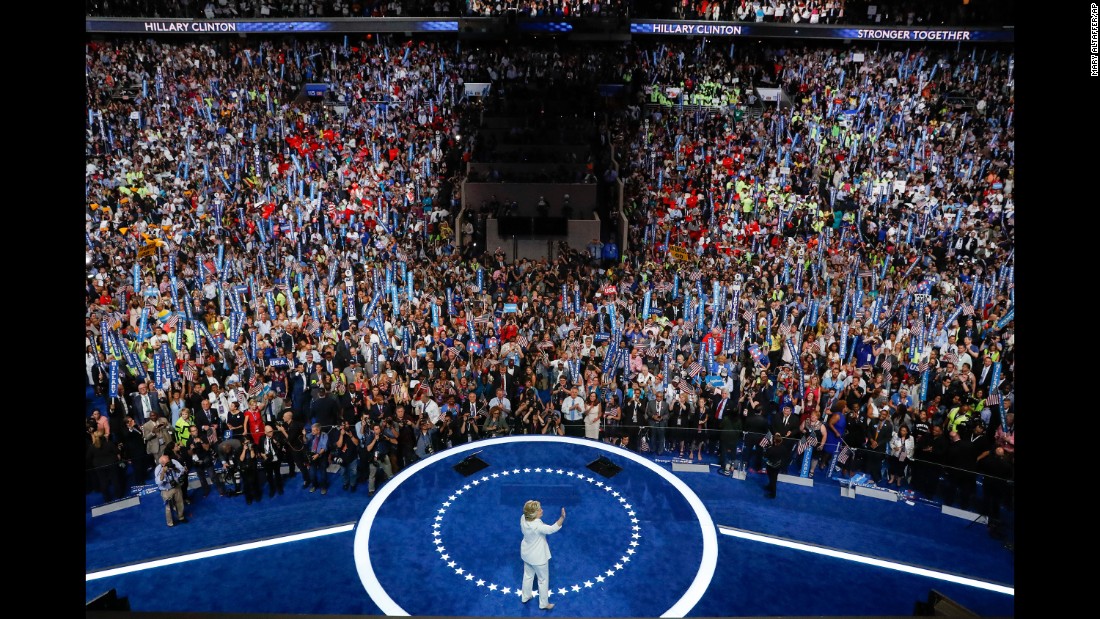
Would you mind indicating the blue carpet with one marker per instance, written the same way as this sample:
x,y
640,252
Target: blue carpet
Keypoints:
x,y
478,531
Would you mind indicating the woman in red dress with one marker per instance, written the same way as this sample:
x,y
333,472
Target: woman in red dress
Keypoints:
x,y
253,422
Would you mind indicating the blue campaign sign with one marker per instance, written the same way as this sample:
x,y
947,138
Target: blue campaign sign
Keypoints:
x,y
278,362
602,337
316,90
716,381
511,308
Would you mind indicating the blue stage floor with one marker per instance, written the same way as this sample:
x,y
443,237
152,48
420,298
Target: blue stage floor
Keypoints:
x,y
645,542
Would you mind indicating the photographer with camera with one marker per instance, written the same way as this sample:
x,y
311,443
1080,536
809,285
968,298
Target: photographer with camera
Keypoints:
x,y
201,456
346,455
170,476
250,472
318,459
376,457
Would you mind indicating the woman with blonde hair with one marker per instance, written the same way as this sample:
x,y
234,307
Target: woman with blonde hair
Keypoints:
x,y
535,551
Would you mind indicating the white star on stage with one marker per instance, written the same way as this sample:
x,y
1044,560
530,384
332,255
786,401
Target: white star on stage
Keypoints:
x,y
476,482
622,500
436,533
447,504
526,470
559,471
452,564
506,590
634,520
485,478
618,566
492,586
495,475
549,592
614,494
458,571
590,479
576,587
466,487
436,525
600,578
459,491
633,544
438,518
504,473
636,527
630,551
480,583
569,473
562,591
607,488
469,576
588,584
442,511
599,484
518,592
538,470
628,506
624,559
443,556
516,471
635,536
452,497
610,572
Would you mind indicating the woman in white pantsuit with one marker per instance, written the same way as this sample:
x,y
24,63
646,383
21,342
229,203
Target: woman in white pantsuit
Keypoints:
x,y
535,551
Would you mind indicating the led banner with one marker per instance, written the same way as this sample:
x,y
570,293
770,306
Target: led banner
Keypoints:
x,y
807,31
233,26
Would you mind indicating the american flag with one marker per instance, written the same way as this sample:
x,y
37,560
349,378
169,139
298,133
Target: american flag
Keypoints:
x,y
664,287
241,361
950,357
694,275
315,325
452,350
766,441
810,442
242,397
968,309
994,398
255,390
911,288
694,369
785,330
544,345
683,385
483,319
923,365
523,341
886,365
189,371
170,324
252,380
844,453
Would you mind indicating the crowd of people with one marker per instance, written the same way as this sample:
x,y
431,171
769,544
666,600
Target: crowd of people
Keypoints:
x,y
903,13
273,280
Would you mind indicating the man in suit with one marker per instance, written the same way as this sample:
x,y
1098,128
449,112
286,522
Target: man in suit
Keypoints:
x,y
721,405
985,374
299,395
786,425
879,434
657,413
535,552
633,418
507,382
143,402
775,457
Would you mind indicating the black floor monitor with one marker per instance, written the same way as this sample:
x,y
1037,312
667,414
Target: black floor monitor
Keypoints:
x,y
470,465
605,467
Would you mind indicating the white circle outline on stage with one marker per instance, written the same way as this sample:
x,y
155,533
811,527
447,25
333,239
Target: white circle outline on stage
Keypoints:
x,y
687,601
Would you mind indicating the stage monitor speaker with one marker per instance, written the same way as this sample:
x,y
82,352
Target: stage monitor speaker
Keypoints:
x,y
470,465
939,605
109,601
603,466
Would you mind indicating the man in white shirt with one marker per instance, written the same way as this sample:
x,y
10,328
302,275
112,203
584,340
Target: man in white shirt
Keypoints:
x,y
501,401
429,407
572,412
535,551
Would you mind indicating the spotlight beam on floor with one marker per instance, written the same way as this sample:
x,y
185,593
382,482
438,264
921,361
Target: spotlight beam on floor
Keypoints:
x,y
866,560
217,552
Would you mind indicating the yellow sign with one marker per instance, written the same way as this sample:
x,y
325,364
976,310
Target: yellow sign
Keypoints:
x,y
149,250
678,253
